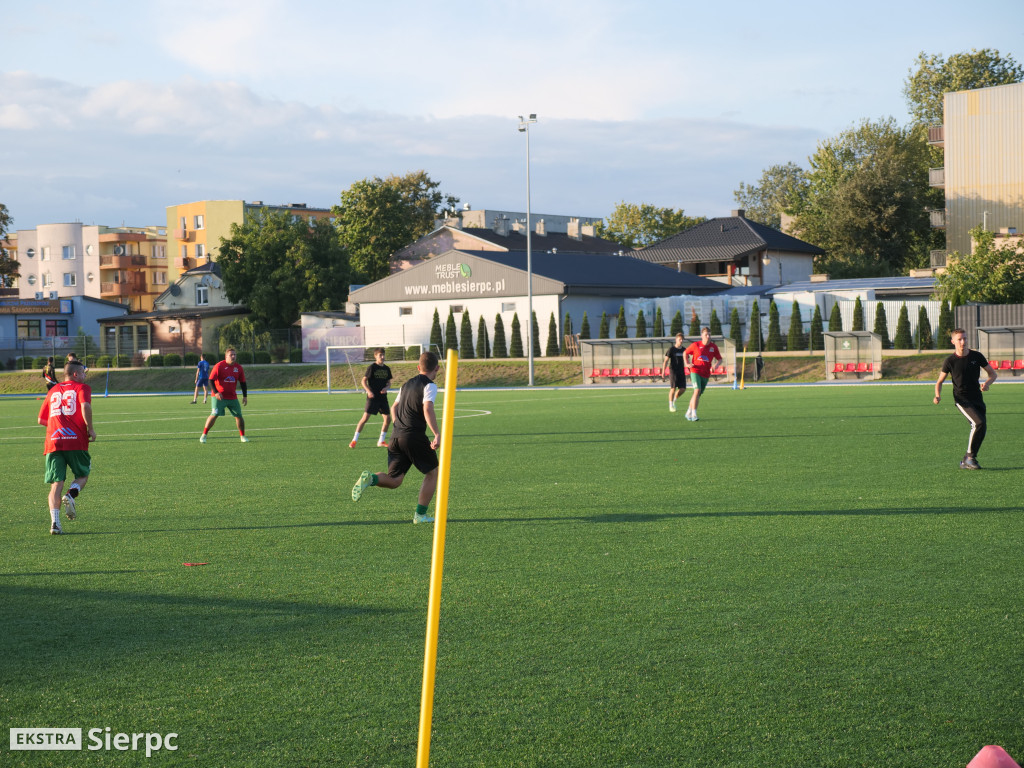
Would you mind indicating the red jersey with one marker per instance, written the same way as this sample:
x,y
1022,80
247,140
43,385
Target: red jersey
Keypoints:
x,y
66,429
702,355
225,377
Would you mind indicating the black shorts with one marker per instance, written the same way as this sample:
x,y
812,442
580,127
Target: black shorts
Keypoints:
x,y
676,380
378,404
410,451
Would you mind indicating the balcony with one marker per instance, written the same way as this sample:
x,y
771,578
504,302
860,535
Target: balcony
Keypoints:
x,y
937,135
132,287
937,259
937,177
937,218
184,235
184,262
123,261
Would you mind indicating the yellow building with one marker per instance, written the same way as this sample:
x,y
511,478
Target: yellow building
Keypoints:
x,y
982,138
194,230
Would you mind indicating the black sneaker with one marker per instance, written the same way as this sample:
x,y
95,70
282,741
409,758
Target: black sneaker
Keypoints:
x,y
970,462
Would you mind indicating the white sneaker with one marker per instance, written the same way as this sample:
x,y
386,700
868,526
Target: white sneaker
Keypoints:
x,y
421,518
244,439
69,507
671,406
202,438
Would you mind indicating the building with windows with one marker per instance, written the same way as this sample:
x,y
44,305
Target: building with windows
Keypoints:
x,y
194,230
127,265
982,138
43,327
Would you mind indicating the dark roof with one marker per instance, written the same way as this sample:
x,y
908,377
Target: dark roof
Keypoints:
x,y
599,272
559,241
723,239
171,314
210,266
880,285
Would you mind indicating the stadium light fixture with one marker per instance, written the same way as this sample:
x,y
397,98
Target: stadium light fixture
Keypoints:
x,y
524,127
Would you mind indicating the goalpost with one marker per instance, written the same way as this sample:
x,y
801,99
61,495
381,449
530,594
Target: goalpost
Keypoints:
x,y
353,357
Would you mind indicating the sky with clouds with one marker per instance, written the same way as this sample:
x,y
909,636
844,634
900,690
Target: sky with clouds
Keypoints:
x,y
111,111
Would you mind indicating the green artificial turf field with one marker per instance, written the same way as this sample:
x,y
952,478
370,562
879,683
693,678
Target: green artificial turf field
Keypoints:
x,y
804,577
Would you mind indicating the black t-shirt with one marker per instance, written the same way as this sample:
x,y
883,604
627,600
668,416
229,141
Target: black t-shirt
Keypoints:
x,y
408,411
377,377
676,360
966,374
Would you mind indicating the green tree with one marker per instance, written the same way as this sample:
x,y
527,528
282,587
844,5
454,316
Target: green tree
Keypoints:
x,y
735,328
552,348
535,335
936,75
781,187
602,329
903,339
817,339
835,319
500,349
659,323
715,325
774,343
755,328
882,325
677,323
621,331
451,340
245,336
988,275
946,324
280,268
858,316
378,216
925,340
466,337
436,339
584,327
516,347
641,325
694,323
637,226
566,331
483,347
9,268
795,337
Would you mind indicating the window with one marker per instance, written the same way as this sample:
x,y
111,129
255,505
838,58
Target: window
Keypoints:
x,y
44,253
70,279
184,251
47,279
202,295
183,224
30,329
56,328
68,252
159,251
159,278
456,309
402,311
198,220
31,279
200,250
508,306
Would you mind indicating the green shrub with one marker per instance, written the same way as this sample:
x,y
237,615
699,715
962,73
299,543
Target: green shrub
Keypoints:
x,y
394,353
172,360
412,353
103,361
155,361
123,361
295,356
191,359
90,361
262,357
23,363
39,362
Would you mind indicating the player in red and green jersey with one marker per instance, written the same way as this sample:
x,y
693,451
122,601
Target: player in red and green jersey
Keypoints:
x,y
67,415
699,357
226,378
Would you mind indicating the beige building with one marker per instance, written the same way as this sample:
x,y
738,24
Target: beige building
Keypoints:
x,y
194,230
982,138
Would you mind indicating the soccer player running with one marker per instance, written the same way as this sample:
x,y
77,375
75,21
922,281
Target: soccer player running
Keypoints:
x,y
674,367
225,379
699,357
375,384
413,412
67,415
965,366
202,378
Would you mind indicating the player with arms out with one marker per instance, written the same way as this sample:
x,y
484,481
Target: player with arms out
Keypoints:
x,y
699,356
674,367
225,379
375,384
67,416
965,366
413,412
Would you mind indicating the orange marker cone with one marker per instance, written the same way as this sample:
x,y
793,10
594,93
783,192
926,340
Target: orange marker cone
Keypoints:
x,y
992,756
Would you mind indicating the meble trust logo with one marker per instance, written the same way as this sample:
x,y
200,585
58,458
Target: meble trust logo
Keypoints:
x,y
450,271
57,739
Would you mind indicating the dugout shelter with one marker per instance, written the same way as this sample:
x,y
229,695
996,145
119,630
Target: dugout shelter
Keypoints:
x,y
1003,348
637,361
853,355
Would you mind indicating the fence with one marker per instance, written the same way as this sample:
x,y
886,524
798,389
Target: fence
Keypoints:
x,y
26,352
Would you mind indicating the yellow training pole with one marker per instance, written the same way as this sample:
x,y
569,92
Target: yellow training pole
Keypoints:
x,y
743,375
437,561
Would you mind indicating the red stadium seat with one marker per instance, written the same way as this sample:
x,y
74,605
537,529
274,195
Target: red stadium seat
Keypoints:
x,y
994,364
634,372
656,372
1018,365
851,367
719,371
838,368
605,373
646,372
1005,365
862,368
869,368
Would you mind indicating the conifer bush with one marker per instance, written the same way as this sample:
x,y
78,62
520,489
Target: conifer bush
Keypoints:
x,y
466,337
677,323
436,339
858,316
774,343
621,331
602,331
535,336
641,325
882,326
835,319
482,346
903,339
451,340
516,346
584,327
817,338
500,347
659,323
795,338
735,328
925,339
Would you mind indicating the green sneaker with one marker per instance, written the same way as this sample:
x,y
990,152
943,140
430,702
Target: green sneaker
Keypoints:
x,y
421,518
361,484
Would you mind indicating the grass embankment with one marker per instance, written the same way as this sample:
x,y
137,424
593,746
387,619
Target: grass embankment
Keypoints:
x,y
472,373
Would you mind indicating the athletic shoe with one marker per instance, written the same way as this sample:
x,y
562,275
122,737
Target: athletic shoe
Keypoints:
x,y
69,506
55,530
381,444
244,438
671,406
353,444
421,518
193,402
202,438
361,485
970,462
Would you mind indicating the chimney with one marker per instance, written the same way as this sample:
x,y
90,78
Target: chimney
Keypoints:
x,y
573,229
589,230
519,226
501,226
541,229
739,213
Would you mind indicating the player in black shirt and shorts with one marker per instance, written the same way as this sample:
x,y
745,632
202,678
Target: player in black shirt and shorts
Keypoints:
x,y
375,384
675,370
965,366
409,446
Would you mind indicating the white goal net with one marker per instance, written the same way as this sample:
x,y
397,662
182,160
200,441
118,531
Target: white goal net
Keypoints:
x,y
347,364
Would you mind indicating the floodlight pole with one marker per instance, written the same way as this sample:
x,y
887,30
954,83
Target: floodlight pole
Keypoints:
x,y
524,127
